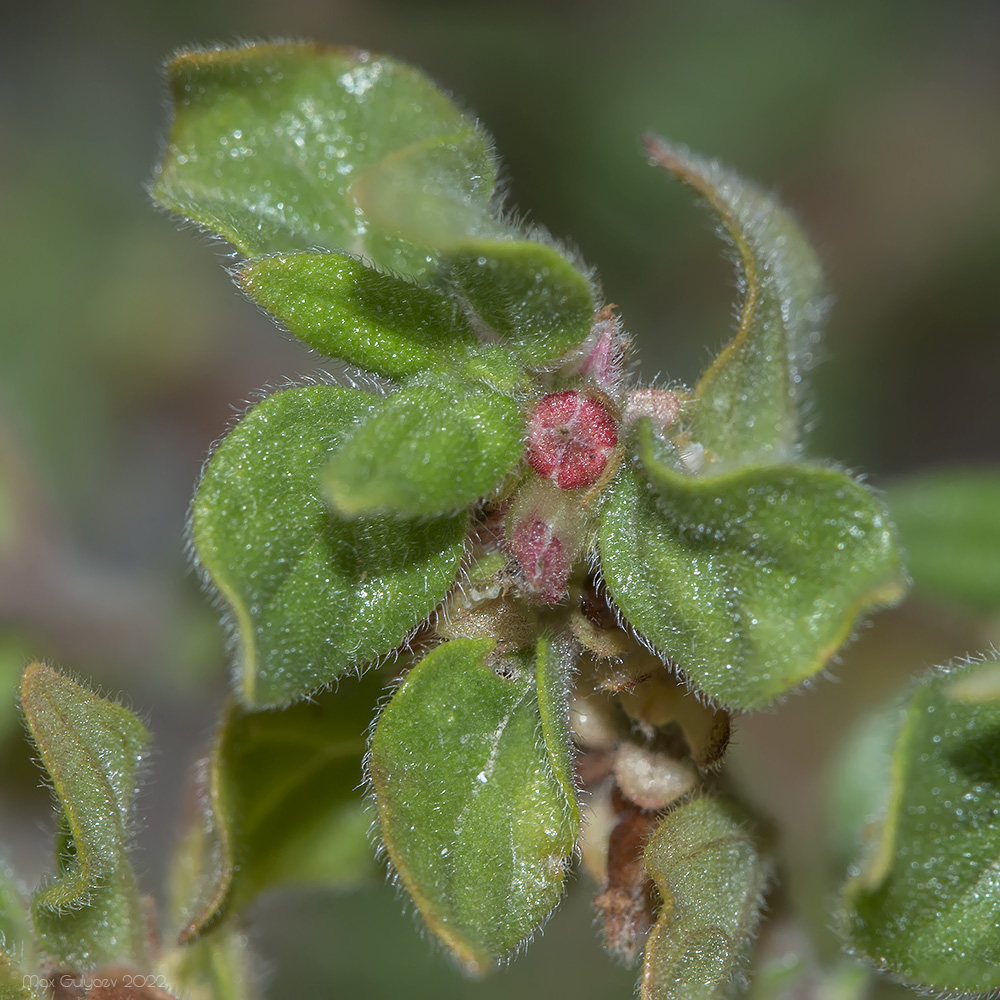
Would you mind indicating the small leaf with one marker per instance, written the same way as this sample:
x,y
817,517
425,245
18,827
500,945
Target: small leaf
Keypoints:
x,y
711,881
476,817
427,449
493,366
282,803
312,595
924,903
553,661
749,581
269,141
90,913
527,293
949,524
747,401
346,310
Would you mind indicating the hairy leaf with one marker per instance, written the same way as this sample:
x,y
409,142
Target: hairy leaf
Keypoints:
x,y
528,293
478,815
346,310
90,913
277,147
433,193
313,595
711,881
923,904
747,402
282,804
949,523
491,365
428,449
553,661
750,580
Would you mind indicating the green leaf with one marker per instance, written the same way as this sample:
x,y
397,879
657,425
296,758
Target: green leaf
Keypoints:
x,y
749,581
346,310
711,880
553,663
427,449
476,811
528,293
433,193
312,595
924,903
91,913
494,366
949,524
271,144
282,804
748,400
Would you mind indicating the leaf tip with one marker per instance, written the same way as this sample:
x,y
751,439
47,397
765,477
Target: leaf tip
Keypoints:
x,y
35,675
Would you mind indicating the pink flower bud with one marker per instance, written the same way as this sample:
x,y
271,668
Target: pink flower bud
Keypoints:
x,y
545,531
546,562
570,438
601,355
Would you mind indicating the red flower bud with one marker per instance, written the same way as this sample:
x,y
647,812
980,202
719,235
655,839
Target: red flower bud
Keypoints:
x,y
570,438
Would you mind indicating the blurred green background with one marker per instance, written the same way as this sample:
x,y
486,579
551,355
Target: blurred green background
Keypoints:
x,y
124,350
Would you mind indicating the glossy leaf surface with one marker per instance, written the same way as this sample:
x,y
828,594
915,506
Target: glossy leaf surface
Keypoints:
x,y
91,749
923,904
949,523
750,580
475,811
346,310
312,595
428,449
272,144
283,807
747,401
528,293
711,882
